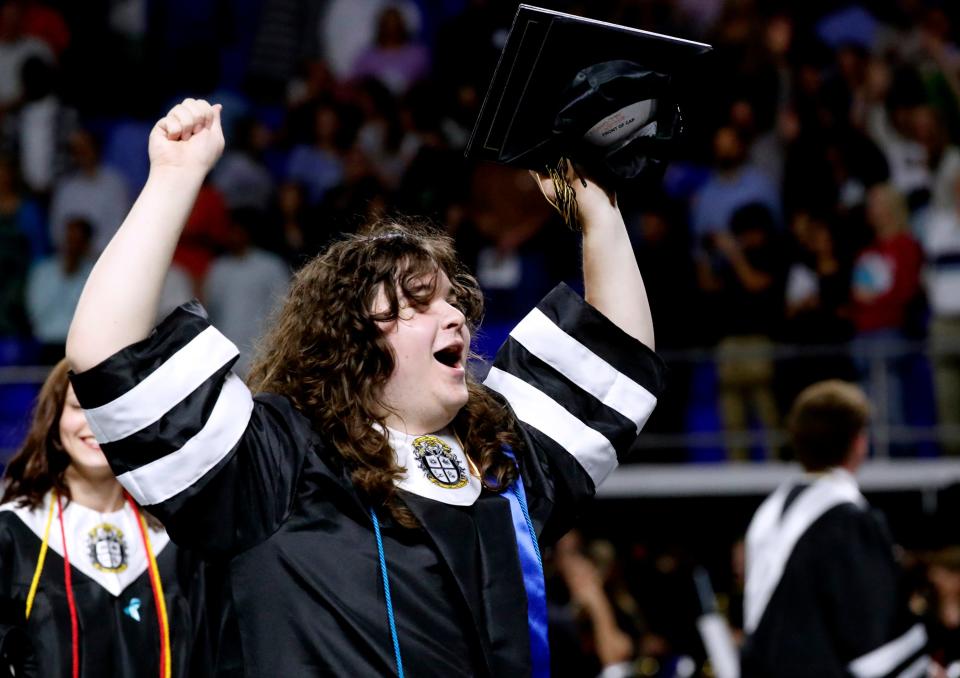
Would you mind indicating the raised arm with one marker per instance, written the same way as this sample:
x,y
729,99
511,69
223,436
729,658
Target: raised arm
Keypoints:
x,y
119,301
611,278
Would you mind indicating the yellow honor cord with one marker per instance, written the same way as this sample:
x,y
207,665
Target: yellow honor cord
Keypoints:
x,y
161,600
35,583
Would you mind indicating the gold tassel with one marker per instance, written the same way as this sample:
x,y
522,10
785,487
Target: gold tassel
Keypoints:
x,y
566,201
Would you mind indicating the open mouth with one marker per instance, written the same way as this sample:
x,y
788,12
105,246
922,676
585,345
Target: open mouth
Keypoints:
x,y
449,356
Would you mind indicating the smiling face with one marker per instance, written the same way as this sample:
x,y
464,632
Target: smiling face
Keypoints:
x,y
78,442
430,342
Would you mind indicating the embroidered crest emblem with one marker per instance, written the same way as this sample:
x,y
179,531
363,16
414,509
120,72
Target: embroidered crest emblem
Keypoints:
x,y
107,548
438,463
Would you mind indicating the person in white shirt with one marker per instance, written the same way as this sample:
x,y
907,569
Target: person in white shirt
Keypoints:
x,y
93,191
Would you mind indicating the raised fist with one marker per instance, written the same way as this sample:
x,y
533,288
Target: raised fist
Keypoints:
x,y
189,137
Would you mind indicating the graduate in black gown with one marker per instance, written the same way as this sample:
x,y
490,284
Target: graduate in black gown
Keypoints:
x,y
90,585
376,510
824,592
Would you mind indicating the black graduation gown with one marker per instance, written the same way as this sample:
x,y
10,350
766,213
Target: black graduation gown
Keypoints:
x,y
119,634
824,594
250,483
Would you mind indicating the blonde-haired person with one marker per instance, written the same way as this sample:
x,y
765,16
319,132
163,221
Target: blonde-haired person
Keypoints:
x,y
824,594
884,290
90,584
375,507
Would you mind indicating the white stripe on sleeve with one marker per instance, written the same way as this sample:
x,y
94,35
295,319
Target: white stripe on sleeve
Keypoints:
x,y
544,339
165,477
159,392
917,669
885,658
589,447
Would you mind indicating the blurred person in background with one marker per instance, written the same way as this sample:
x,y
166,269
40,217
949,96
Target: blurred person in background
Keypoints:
x,y
733,183
885,290
16,47
394,58
23,242
745,279
662,247
943,615
940,238
205,236
817,305
90,585
245,285
587,632
54,287
92,190
45,126
241,176
318,165
825,595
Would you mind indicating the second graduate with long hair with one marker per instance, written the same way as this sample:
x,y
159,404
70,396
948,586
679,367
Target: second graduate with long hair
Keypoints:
x,y
90,585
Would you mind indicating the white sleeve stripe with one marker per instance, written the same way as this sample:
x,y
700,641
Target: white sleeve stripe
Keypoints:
x,y
917,669
159,392
885,658
544,339
165,477
590,448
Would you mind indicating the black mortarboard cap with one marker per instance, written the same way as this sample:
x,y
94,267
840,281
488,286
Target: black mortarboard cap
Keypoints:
x,y
603,95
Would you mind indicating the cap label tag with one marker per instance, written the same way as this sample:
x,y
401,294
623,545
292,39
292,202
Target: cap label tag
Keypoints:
x,y
623,123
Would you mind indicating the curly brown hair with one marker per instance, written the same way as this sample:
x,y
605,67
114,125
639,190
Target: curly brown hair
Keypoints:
x,y
327,354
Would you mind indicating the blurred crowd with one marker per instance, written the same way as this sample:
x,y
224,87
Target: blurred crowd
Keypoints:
x,y
809,227
634,609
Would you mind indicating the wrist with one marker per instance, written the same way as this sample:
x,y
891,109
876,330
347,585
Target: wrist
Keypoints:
x,y
181,177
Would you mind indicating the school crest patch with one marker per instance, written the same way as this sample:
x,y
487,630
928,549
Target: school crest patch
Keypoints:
x,y
107,548
438,463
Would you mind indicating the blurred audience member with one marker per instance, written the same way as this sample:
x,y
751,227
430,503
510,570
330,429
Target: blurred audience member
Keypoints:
x,y
817,305
824,592
19,214
885,289
943,157
662,247
394,58
293,227
44,22
318,166
355,201
732,185
54,287
16,47
23,240
240,175
892,108
244,285
586,634
45,126
385,136
177,289
943,621
205,236
93,191
746,279
940,237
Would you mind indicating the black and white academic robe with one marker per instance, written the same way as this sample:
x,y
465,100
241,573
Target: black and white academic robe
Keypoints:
x,y
250,483
119,633
823,594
